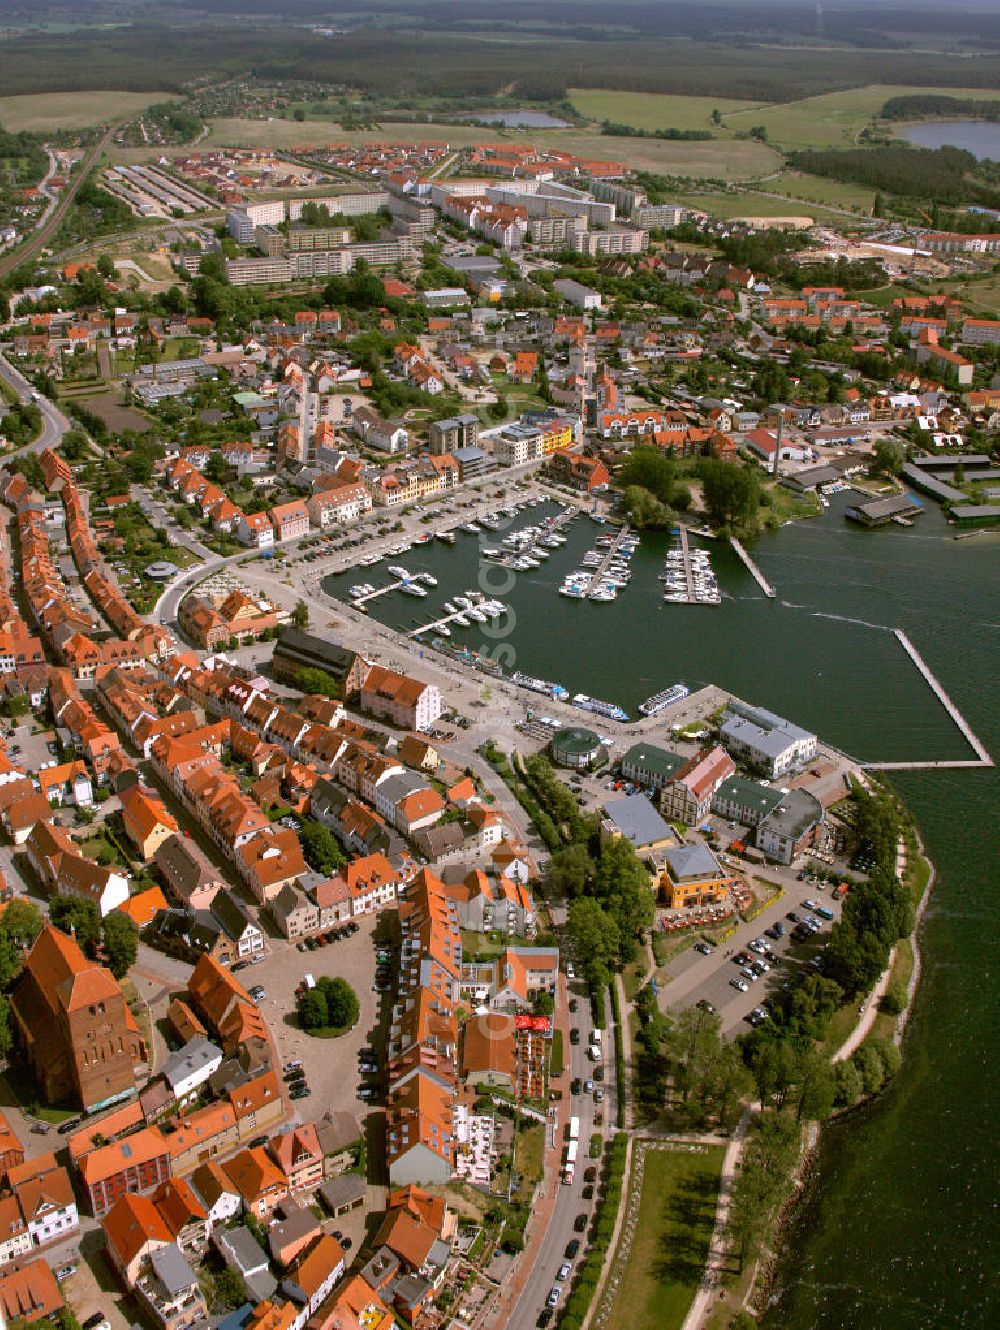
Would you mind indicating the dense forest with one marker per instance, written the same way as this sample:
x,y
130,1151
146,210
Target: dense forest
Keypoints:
x,y
924,104
944,175
461,58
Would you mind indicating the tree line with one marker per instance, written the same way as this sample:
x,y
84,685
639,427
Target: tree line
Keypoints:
x,y
615,129
946,175
917,105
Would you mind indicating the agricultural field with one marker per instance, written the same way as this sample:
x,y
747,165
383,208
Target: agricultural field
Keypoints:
x,y
46,111
833,120
722,159
652,110
671,1241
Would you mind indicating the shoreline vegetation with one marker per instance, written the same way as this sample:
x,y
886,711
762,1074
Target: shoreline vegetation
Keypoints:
x,y
761,1284
788,1079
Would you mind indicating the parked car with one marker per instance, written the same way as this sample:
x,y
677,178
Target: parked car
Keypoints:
x,y
65,1271
703,1004
580,1223
97,1322
704,948
572,1247
740,985
555,1293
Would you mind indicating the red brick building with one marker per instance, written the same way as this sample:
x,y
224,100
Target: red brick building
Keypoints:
x,y
73,1025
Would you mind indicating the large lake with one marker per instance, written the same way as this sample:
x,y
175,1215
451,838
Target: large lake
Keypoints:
x,y
980,137
518,119
900,1218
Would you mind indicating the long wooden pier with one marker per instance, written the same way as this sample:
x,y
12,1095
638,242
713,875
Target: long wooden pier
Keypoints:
x,y
558,522
753,570
597,575
982,758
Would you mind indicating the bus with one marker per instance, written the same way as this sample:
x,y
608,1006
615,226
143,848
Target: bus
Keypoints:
x,y
574,1129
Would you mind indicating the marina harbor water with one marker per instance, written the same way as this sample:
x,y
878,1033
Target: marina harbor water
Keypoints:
x,y
823,653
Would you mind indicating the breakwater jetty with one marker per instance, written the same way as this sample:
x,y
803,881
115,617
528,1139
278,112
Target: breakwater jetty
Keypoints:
x,y
982,758
753,570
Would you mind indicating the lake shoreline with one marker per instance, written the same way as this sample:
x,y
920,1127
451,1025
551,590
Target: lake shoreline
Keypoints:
x,y
807,1171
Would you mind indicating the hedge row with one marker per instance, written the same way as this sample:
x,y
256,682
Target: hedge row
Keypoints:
x,y
619,1051
602,1230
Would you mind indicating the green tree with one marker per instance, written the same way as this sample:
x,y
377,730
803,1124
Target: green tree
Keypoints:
x,y
311,1008
73,914
731,493
621,883
106,265
312,680
121,941
300,615
542,1004
693,1045
6,1033
342,1008
568,872
888,458
595,939
22,920
818,1087
229,1290
652,469
870,1067
850,1086
645,511
321,848
298,114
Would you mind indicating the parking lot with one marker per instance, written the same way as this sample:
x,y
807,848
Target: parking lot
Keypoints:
x,y
331,1066
694,977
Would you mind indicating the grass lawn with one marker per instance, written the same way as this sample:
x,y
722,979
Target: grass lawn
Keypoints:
x,y
883,296
652,110
842,1022
632,978
556,1056
902,971
720,159
99,841
46,111
982,296
477,946
786,505
832,120
747,203
529,1158
818,189
670,1246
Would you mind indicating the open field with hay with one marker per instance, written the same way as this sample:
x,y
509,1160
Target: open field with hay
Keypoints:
x,y
44,112
833,120
651,110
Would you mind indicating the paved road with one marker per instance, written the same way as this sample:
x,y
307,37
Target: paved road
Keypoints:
x,y
54,423
569,1200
